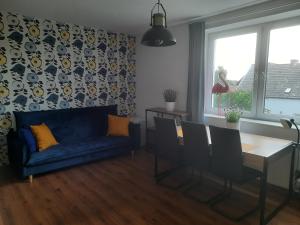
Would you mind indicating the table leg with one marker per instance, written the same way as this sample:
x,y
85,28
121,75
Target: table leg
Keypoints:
x,y
292,172
155,166
263,192
146,127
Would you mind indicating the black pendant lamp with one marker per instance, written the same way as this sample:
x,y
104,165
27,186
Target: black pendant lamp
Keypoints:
x,y
158,35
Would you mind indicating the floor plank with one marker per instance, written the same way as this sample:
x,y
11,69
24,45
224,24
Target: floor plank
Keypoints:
x,y
117,191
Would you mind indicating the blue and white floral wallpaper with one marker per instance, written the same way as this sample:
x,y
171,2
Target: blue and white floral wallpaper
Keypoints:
x,y
49,65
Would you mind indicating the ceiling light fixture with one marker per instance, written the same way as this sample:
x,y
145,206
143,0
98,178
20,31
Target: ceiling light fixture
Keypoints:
x,y
158,35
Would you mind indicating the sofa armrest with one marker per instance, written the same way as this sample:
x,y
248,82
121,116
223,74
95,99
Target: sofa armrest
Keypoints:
x,y
18,152
135,135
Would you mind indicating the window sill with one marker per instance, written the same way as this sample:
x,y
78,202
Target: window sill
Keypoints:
x,y
255,126
246,120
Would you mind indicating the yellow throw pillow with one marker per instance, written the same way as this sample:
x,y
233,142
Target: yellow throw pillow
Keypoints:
x,y
118,126
44,136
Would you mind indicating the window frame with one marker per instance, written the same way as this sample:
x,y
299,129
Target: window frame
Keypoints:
x,y
261,64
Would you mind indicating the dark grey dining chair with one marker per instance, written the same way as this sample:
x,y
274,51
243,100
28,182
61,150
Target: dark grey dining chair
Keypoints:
x,y
196,153
196,146
167,147
227,163
197,156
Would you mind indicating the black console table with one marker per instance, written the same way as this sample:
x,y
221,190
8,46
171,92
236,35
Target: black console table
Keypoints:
x,y
160,112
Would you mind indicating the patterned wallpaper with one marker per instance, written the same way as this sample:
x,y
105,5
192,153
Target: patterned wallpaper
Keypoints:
x,y
49,65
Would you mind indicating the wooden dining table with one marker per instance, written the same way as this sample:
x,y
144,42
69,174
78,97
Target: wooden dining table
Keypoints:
x,y
258,153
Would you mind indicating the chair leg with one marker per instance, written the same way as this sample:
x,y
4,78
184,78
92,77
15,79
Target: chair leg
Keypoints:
x,y
231,217
162,175
204,200
159,176
30,178
132,154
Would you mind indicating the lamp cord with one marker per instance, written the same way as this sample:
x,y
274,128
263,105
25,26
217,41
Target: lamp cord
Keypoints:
x,y
158,6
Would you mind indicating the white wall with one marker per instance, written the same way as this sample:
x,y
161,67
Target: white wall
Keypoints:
x,y
162,68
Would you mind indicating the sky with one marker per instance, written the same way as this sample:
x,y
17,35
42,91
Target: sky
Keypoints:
x,y
237,53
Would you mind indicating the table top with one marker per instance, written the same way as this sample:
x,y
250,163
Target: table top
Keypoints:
x,y
257,145
163,110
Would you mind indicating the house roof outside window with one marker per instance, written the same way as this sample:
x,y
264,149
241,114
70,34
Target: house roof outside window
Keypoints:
x,y
283,80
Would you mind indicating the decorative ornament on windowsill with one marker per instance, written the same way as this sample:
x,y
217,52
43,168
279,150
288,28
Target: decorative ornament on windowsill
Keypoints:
x,y
288,123
170,96
232,116
158,35
221,86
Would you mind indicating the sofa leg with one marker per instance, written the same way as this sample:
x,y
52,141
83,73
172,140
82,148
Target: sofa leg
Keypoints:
x,y
30,178
132,154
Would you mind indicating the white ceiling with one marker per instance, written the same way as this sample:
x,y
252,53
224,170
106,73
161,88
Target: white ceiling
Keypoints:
x,y
130,16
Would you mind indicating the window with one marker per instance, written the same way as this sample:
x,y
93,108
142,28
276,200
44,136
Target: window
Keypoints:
x,y
282,94
255,69
235,55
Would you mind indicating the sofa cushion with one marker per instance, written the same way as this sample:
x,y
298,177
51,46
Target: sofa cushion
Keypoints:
x,y
27,135
43,136
118,126
76,149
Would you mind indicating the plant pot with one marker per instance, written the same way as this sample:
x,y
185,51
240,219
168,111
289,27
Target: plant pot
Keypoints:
x,y
170,106
235,126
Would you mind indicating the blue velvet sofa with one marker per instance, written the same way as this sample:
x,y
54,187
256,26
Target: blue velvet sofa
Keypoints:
x,y
81,134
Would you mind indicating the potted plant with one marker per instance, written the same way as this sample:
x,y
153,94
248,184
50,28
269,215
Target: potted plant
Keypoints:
x,y
170,96
232,116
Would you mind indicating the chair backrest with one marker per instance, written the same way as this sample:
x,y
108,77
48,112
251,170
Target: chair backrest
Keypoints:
x,y
196,148
72,124
166,139
227,161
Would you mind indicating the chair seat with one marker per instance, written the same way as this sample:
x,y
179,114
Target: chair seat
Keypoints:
x,y
76,149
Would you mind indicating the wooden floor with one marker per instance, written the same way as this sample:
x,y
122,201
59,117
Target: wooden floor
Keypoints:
x,y
117,191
